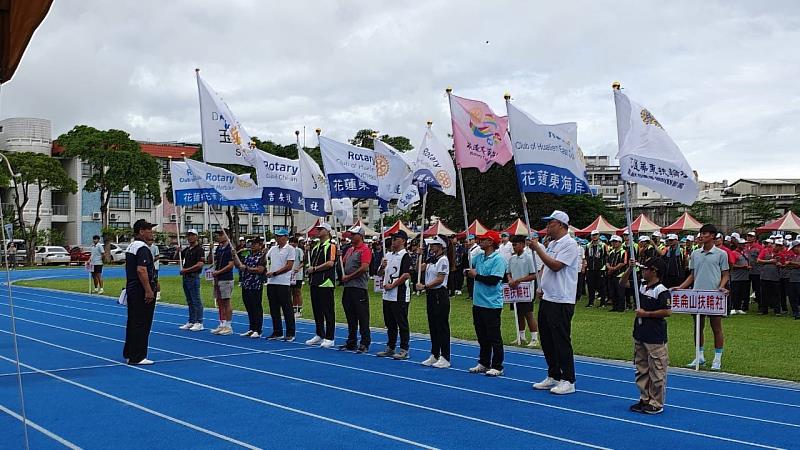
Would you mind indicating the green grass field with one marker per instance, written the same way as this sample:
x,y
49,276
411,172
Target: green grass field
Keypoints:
x,y
765,346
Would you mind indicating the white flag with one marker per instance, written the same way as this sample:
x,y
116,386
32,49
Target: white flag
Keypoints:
x,y
547,157
391,169
434,165
185,190
343,210
280,179
314,186
648,156
223,187
224,139
409,197
350,169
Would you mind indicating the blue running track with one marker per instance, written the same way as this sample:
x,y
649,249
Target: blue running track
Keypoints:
x,y
209,391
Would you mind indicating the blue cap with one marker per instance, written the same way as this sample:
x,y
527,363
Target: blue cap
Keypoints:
x,y
533,235
470,236
281,232
603,238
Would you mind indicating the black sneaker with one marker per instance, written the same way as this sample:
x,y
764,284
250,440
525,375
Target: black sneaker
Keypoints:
x,y
362,349
274,337
346,347
650,409
388,351
636,407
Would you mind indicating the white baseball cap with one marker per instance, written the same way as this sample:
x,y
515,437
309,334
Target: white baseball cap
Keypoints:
x,y
690,238
657,234
735,235
751,233
616,238
644,238
727,238
672,237
191,231
436,240
560,216
742,241
595,232
324,225
788,237
779,241
768,240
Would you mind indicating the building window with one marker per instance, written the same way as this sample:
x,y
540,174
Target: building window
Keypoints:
x,y
644,194
279,210
119,224
258,229
143,202
189,226
121,200
215,227
242,229
86,170
165,173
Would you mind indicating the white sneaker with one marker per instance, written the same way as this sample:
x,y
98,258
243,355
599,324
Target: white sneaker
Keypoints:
x,y
144,362
197,327
217,330
94,290
563,387
430,361
100,291
247,333
327,343
255,335
480,368
458,292
548,383
441,363
516,342
225,331
494,373
740,312
533,343
314,340
694,363
716,364
186,326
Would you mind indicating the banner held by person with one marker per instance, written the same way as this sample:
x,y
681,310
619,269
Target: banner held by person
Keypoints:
x,y
314,186
224,139
350,169
279,178
390,169
433,167
223,187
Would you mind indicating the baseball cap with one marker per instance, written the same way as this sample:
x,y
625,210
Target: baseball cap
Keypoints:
x,y
788,237
644,238
742,241
358,230
727,238
657,234
603,238
491,234
595,232
768,240
191,231
504,234
690,238
794,244
281,232
656,264
470,236
672,237
735,235
142,224
325,226
626,231
616,238
751,233
779,241
560,216
241,238
436,240
400,234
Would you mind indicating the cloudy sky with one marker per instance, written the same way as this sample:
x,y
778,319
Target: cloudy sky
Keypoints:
x,y
722,77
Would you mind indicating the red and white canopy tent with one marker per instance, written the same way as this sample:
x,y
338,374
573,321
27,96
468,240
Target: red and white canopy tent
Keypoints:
x,y
572,230
369,231
518,228
438,228
787,222
312,230
600,224
475,228
642,225
684,223
397,227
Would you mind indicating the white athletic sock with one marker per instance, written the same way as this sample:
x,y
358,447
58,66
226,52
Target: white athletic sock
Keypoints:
x,y
534,335
521,335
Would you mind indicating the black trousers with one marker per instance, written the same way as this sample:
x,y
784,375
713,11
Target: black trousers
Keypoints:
x,y
616,293
740,293
470,286
137,328
455,281
395,317
555,329
794,297
784,291
280,300
323,308
439,322
596,282
356,309
755,282
770,290
490,339
581,286
255,310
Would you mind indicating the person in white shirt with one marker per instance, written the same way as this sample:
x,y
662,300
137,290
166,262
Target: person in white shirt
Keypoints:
x,y
396,271
437,271
506,247
280,260
156,265
559,281
96,261
473,250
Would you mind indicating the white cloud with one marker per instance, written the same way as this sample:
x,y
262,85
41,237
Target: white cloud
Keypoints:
x,y
720,76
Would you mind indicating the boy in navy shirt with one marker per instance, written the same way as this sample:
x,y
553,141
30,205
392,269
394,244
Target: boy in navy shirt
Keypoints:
x,y
650,355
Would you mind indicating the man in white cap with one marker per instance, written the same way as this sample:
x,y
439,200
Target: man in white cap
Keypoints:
x,y
675,261
280,261
596,254
559,281
321,278
193,261
657,244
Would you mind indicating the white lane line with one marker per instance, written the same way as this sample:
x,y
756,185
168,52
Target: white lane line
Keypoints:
x,y
766,383
302,380
41,429
584,375
136,405
546,405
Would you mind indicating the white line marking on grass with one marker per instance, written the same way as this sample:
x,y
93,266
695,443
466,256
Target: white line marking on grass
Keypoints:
x,y
40,429
561,408
135,405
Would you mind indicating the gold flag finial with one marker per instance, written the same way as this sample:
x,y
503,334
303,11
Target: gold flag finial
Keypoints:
x,y
616,85
318,131
449,90
507,96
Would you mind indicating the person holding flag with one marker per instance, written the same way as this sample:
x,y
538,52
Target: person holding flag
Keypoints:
x,y
222,260
321,277
355,297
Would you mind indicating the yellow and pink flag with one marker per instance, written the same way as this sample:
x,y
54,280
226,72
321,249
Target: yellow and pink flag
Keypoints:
x,y
480,135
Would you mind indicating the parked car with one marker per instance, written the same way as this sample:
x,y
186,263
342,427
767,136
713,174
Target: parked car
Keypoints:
x,y
80,253
118,252
51,255
168,253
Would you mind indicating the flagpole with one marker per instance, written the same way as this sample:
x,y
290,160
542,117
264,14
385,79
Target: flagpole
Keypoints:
x,y
303,203
449,92
507,98
179,220
422,236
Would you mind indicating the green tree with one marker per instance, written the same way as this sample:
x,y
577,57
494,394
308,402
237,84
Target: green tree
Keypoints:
x,y
40,171
117,161
701,211
757,211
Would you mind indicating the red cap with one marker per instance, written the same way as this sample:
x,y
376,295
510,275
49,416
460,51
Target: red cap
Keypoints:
x,y
491,234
